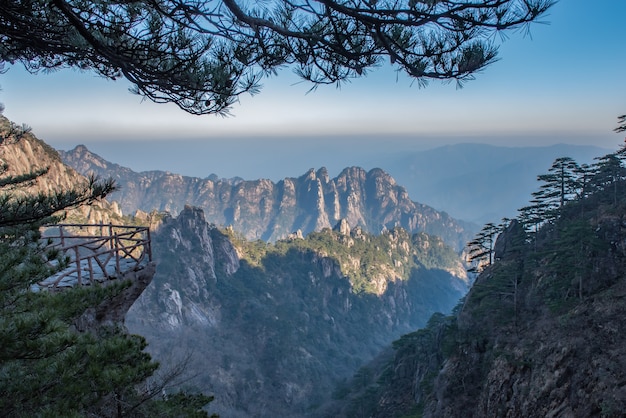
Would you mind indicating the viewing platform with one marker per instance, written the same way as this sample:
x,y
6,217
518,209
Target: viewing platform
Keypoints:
x,y
96,254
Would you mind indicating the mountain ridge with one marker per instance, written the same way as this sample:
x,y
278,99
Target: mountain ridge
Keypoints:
x,y
262,209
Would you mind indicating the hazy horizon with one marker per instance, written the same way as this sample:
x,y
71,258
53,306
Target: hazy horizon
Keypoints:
x,y
271,158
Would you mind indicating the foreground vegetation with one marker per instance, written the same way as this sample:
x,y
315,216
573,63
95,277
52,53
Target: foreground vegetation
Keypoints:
x,y
50,366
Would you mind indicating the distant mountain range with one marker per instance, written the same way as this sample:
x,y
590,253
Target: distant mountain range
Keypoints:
x,y
262,209
474,182
477,182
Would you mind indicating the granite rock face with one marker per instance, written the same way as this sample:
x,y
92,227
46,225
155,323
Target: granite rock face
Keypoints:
x,y
262,209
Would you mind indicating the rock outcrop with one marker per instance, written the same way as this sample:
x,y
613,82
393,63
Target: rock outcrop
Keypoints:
x,y
112,311
32,154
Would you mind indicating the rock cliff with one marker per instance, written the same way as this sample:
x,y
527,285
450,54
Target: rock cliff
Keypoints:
x,y
262,209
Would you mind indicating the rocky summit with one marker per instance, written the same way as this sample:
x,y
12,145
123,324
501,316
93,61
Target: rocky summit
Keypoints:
x,y
262,209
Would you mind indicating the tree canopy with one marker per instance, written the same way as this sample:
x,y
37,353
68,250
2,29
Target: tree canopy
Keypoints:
x,y
201,55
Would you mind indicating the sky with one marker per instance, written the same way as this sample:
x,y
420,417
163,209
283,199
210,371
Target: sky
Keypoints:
x,y
562,83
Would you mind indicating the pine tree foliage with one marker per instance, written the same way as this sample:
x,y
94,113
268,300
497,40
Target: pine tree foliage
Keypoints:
x,y
567,181
621,127
560,184
481,248
609,170
201,55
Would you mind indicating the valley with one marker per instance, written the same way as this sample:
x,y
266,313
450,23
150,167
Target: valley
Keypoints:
x,y
363,306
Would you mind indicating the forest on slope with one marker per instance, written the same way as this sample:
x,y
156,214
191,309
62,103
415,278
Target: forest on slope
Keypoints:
x,y
541,332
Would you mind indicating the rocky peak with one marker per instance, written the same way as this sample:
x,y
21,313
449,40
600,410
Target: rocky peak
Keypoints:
x,y
342,227
191,231
322,174
310,175
191,255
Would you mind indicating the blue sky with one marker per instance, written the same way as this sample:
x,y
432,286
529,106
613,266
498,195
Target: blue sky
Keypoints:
x,y
563,83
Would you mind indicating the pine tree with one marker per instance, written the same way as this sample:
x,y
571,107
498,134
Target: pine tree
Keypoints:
x,y
47,368
481,248
560,184
201,55
533,216
585,174
609,171
565,181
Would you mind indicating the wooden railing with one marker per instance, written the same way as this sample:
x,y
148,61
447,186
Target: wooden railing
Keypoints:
x,y
96,253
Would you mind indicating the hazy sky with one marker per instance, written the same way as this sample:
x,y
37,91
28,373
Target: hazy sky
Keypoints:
x,y
564,83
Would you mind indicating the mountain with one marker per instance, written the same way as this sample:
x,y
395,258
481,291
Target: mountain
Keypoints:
x,y
541,332
477,182
32,154
270,329
262,209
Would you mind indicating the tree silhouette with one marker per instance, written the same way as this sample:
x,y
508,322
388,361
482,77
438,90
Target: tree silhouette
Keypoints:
x,y
621,127
560,184
565,181
201,55
585,174
609,171
481,248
